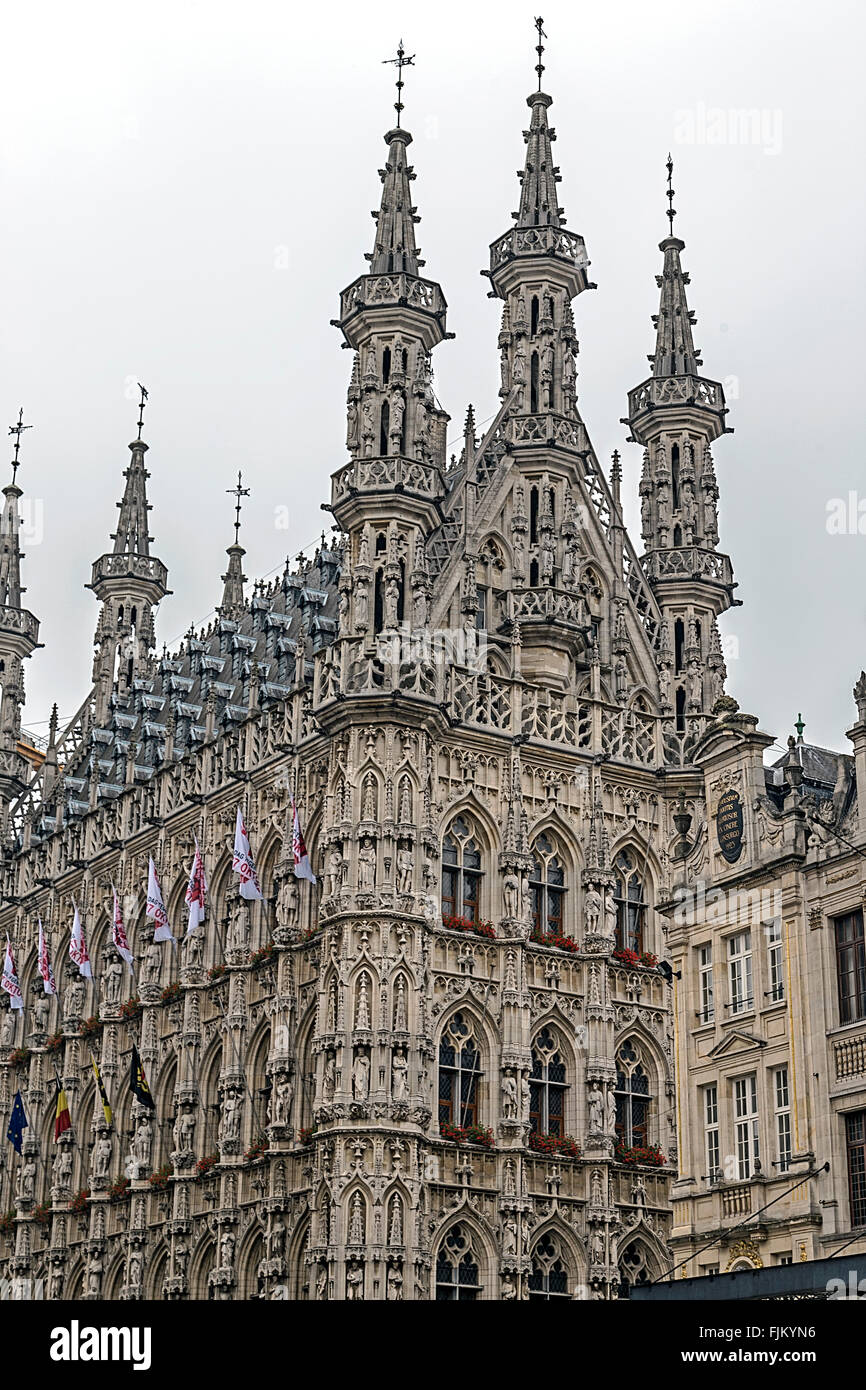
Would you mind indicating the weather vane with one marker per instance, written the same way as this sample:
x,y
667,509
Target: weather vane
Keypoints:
x,y
671,214
400,62
142,403
18,429
539,48
238,492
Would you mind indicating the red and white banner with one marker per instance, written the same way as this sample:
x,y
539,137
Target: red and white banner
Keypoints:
x,y
303,868
196,892
118,933
156,906
242,862
78,945
48,981
9,979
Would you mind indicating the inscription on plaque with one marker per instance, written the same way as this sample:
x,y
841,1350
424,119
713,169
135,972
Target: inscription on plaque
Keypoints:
x,y
729,826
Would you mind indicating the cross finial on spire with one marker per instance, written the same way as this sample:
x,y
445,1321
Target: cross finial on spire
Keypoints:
x,y
671,214
18,429
238,492
141,404
539,48
400,62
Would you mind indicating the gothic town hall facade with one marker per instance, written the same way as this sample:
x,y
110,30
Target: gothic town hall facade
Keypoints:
x,y
580,986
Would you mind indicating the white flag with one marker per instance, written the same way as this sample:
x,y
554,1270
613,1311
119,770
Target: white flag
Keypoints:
x,y
196,891
156,906
48,982
118,933
303,868
9,979
242,862
78,945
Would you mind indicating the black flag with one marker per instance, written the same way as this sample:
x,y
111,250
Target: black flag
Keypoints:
x,y
138,1081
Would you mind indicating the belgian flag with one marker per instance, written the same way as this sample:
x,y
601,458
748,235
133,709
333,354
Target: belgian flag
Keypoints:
x,y
62,1118
138,1081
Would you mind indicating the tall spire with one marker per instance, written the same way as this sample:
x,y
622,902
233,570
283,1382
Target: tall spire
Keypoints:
x,y
396,429
10,555
129,582
675,353
676,415
19,634
539,177
234,577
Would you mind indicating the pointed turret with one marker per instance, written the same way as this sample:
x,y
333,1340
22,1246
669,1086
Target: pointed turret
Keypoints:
x,y
19,637
129,582
234,578
538,268
392,318
676,415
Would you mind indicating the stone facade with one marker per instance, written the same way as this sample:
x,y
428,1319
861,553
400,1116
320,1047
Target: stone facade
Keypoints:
x,y
448,1068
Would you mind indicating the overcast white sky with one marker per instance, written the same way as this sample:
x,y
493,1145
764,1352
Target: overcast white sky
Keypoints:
x,y
187,186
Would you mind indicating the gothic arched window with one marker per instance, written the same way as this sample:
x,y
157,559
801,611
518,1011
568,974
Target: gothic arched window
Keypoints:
x,y
547,882
459,1070
634,1267
549,1277
630,905
457,1268
547,1086
461,872
633,1097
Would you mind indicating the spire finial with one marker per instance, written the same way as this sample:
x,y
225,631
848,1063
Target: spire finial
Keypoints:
x,y
539,48
18,429
141,404
671,214
799,725
400,62
238,492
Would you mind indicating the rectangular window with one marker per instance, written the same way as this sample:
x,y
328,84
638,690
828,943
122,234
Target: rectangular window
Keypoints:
x,y
705,970
481,610
783,1117
786,1259
740,971
711,1132
855,1133
775,963
851,966
746,1116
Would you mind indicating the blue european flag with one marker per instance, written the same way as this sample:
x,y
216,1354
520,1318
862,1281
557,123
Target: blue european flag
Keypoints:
x,y
17,1123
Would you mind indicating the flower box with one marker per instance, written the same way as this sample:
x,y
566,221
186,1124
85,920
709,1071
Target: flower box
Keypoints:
x,y
7,1222
553,939
19,1055
306,1135
90,1026
205,1166
467,924
159,1179
648,1154
560,1145
132,1008
216,972
263,954
471,1134
54,1043
643,959
118,1190
42,1213
256,1150
171,992
80,1200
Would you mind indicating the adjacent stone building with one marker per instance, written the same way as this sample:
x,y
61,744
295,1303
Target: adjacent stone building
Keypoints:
x,y
447,1070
